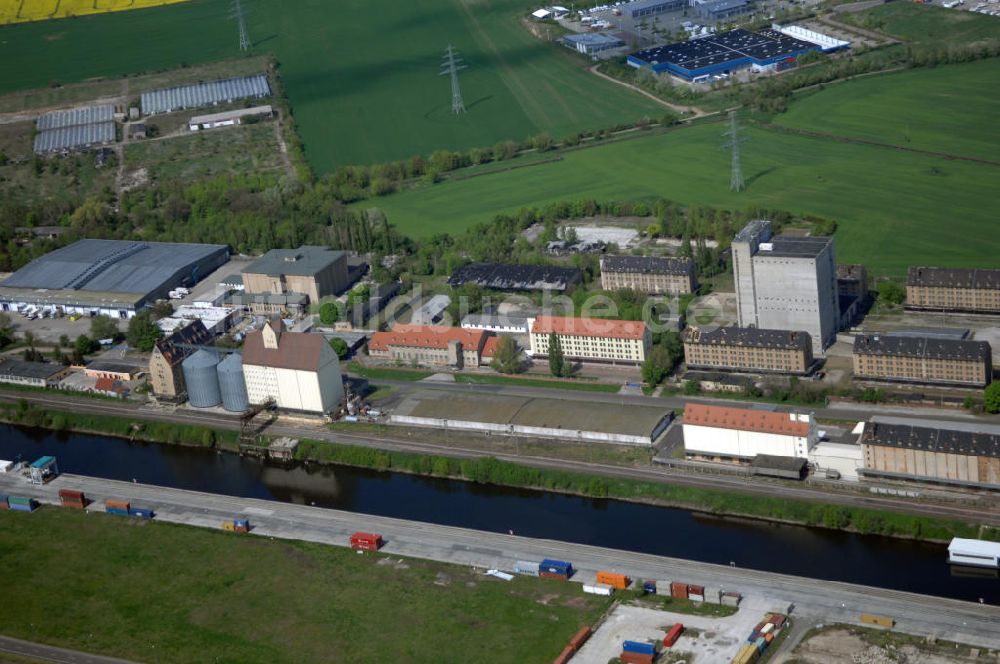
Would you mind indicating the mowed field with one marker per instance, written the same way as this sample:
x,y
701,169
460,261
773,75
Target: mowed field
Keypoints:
x,y
952,110
361,76
894,208
161,593
19,11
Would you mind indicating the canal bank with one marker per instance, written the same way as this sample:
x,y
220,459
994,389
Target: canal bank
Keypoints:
x,y
819,553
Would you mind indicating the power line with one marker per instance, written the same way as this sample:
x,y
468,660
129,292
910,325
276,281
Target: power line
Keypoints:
x,y
736,182
450,66
242,24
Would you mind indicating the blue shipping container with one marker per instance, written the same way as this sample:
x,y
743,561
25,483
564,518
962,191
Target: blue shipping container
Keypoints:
x,y
556,567
17,507
115,510
643,648
140,512
3,501
242,523
761,644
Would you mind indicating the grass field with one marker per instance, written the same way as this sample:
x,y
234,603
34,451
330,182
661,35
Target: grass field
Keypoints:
x,y
362,78
927,25
19,11
156,592
945,109
894,208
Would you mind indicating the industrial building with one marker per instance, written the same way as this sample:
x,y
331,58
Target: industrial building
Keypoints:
x,y
958,453
852,280
498,276
724,433
721,10
310,271
723,53
786,283
217,320
295,370
166,375
826,43
649,274
641,8
593,339
748,349
972,290
74,128
922,360
974,553
115,278
592,43
114,370
842,461
516,325
206,93
215,378
432,345
432,311
32,374
229,118
565,419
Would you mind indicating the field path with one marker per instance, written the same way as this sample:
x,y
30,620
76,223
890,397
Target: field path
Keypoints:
x,y
694,110
289,169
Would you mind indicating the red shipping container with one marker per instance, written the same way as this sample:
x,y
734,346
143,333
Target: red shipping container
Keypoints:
x,y
564,656
678,589
696,590
117,504
635,658
366,541
580,638
674,634
73,496
553,575
777,621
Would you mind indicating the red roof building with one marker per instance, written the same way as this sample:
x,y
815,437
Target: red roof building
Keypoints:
x,y
434,345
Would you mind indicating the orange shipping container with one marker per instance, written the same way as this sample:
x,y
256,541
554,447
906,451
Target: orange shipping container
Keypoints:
x,y
769,637
580,638
564,656
678,589
619,581
117,504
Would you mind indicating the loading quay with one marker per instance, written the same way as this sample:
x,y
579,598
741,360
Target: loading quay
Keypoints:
x,y
811,600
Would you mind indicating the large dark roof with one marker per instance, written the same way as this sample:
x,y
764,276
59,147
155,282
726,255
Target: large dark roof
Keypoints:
x,y
296,350
22,369
732,46
193,334
794,246
516,277
306,261
943,277
931,439
929,348
647,264
750,336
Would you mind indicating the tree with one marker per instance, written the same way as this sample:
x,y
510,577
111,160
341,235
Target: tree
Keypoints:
x,y
81,347
329,313
143,332
891,292
692,387
339,346
507,358
162,309
557,363
103,327
657,366
991,398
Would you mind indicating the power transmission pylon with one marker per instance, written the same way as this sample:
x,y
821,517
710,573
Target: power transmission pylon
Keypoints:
x,y
242,24
736,177
451,65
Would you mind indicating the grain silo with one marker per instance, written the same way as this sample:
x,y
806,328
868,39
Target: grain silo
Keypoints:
x,y
202,379
232,385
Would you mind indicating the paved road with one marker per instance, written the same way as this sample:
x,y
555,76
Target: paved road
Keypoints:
x,y
400,442
955,620
45,653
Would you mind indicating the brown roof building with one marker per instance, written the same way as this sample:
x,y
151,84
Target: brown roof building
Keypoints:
x,y
722,432
923,360
593,339
659,275
431,345
953,289
748,349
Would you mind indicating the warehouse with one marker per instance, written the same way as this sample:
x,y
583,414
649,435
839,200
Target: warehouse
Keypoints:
x,y
826,43
724,433
658,275
207,93
923,360
641,8
956,453
228,118
115,278
498,276
720,10
592,43
312,271
949,289
722,53
33,374
589,421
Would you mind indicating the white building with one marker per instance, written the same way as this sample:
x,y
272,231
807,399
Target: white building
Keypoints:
x,y
228,118
498,324
843,458
216,320
977,553
298,371
786,283
593,339
720,432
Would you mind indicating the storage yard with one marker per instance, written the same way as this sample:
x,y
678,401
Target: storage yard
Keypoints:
x,y
534,417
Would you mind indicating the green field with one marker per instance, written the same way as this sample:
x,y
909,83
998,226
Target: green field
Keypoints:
x,y
950,109
928,25
893,208
361,76
157,592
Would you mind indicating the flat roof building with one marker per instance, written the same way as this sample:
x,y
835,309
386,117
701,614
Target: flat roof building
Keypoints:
x,y
593,339
499,276
973,290
497,323
725,433
658,275
110,277
592,43
748,349
33,374
786,283
922,360
641,8
315,272
229,118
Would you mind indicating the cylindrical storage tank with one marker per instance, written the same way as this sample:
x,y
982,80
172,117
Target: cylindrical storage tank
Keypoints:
x,y
202,379
232,385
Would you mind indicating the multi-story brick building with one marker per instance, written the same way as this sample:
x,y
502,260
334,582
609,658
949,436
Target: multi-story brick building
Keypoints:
x,y
649,274
593,339
748,349
434,345
922,360
950,289
313,272
165,374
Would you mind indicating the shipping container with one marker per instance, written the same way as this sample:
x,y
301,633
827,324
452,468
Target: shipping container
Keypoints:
x,y
639,646
525,567
881,621
553,575
761,644
746,655
366,541
116,510
228,525
777,620
696,590
663,587
117,504
674,634
649,587
3,502
19,500
71,496
564,656
731,598
18,507
769,637
598,589
619,581
713,595
766,629
140,512
556,567
580,638
678,589
242,523
635,658
696,598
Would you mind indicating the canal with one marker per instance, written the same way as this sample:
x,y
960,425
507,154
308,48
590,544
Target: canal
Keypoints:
x,y
816,553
